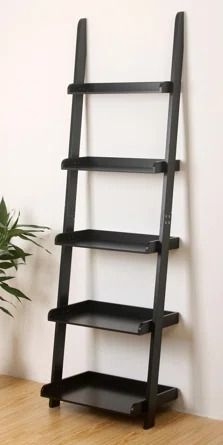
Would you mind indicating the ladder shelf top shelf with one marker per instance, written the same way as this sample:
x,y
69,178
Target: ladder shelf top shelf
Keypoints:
x,y
110,164
117,241
107,392
110,316
120,87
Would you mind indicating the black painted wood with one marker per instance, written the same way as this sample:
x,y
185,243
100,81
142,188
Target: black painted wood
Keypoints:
x,y
107,392
127,165
123,87
111,317
70,205
118,241
90,388
165,222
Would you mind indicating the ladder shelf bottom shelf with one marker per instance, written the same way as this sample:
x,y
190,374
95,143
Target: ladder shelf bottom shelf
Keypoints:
x,y
106,392
111,317
117,241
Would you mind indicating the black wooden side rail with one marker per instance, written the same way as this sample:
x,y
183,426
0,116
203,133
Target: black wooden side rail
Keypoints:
x,y
165,221
112,393
70,205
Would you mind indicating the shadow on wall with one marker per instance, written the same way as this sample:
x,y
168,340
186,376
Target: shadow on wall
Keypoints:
x,y
197,376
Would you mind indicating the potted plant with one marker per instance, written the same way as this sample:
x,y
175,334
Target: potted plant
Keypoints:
x,y
12,255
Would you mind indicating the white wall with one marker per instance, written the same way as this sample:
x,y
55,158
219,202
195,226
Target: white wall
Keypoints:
x,y
127,41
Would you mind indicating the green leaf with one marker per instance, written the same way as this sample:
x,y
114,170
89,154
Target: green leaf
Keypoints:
x,y
6,301
11,216
29,234
34,226
5,278
6,265
6,311
13,255
3,212
3,299
15,222
15,265
19,252
4,252
12,290
19,232
34,242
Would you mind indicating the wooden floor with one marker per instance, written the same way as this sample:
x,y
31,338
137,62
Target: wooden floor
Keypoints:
x,y
25,419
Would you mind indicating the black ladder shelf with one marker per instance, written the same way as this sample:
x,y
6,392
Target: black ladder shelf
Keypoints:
x,y
90,388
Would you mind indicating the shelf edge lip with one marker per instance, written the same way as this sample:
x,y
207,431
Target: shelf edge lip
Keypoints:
x,y
121,87
97,327
154,247
159,166
119,331
170,318
167,396
55,390
144,327
147,326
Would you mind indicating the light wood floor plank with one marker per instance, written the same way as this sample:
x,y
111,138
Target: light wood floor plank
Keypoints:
x,y
25,419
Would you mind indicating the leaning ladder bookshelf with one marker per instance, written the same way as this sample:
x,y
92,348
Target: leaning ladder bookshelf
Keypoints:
x,y
109,392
